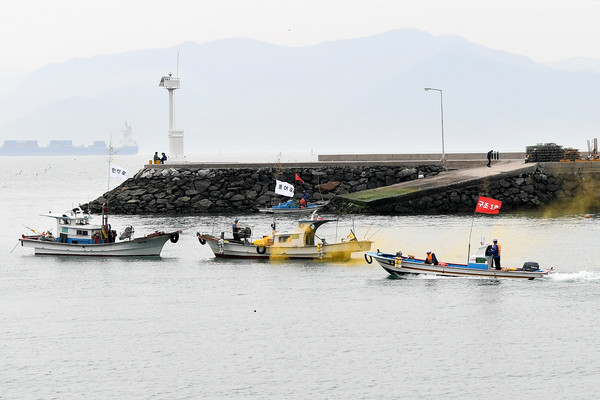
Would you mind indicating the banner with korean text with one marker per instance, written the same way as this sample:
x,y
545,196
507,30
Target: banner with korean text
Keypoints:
x,y
486,205
284,188
118,172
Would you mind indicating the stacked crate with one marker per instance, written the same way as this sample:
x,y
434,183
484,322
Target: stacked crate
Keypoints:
x,y
544,152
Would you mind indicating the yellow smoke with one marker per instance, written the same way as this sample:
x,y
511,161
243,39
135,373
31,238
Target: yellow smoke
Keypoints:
x,y
586,200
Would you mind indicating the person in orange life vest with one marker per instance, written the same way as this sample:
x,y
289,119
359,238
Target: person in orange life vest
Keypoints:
x,y
496,250
304,200
431,258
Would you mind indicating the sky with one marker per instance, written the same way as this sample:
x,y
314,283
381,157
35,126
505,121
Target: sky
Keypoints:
x,y
35,33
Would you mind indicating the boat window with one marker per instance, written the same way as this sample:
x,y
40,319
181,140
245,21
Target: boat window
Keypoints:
x,y
82,233
283,239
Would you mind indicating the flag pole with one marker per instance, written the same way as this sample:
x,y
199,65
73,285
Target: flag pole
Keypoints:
x,y
470,232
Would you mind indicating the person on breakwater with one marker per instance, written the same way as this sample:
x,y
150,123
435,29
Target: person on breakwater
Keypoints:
x,y
156,157
236,230
496,250
163,158
489,157
431,258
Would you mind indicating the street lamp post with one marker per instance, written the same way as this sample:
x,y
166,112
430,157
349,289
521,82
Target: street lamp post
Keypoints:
x,y
442,114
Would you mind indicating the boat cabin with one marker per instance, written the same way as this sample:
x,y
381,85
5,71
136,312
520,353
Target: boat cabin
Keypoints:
x,y
303,235
76,229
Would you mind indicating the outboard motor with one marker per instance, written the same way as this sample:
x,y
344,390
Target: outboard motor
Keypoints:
x,y
127,233
530,266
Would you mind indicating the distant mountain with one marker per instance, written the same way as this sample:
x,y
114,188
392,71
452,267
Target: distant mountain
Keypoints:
x,y
356,95
577,64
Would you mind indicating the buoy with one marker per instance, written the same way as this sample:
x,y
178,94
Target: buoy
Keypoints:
x,y
587,215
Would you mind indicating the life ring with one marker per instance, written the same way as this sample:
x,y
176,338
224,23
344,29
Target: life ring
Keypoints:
x,y
202,241
368,260
174,237
259,251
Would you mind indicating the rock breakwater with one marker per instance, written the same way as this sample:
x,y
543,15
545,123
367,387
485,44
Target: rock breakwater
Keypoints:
x,y
571,192
189,190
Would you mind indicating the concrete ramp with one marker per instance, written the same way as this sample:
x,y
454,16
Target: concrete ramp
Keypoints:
x,y
442,182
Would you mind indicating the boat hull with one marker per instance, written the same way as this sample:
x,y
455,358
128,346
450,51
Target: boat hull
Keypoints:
x,y
141,247
224,248
292,210
402,266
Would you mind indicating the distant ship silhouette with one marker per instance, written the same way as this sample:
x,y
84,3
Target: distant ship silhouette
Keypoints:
x,y
66,148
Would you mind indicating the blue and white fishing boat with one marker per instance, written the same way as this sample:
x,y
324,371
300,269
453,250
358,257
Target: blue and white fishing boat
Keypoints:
x,y
289,207
400,265
76,236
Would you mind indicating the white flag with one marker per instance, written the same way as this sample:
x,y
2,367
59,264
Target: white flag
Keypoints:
x,y
118,172
284,188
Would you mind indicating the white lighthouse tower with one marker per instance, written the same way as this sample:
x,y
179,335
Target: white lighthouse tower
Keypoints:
x,y
175,135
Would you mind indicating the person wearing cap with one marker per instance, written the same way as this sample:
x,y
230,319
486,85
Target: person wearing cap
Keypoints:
x,y
496,250
431,258
236,230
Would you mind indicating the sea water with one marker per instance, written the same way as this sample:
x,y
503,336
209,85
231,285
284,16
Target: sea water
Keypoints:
x,y
189,326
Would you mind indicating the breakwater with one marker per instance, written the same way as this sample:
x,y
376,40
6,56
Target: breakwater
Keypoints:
x,y
543,188
197,190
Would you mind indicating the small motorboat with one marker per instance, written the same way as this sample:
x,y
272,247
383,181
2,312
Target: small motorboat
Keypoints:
x,y
289,207
77,237
400,265
301,243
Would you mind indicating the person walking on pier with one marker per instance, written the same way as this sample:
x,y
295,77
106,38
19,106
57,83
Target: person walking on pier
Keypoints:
x,y
489,157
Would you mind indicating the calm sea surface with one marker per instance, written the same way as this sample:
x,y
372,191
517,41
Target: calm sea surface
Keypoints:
x,y
187,326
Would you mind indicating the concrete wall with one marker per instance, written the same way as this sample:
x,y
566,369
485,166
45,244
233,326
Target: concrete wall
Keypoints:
x,y
416,156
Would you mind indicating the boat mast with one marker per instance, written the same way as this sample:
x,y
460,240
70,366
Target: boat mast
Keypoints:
x,y
105,205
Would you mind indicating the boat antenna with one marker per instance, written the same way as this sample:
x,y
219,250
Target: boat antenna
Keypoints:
x,y
105,205
319,186
109,160
470,232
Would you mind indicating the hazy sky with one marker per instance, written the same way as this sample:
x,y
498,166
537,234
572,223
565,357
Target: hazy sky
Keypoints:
x,y
38,32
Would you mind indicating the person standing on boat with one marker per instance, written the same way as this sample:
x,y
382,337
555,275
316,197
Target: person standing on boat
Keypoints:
x,y
431,258
156,157
304,200
488,256
496,250
236,230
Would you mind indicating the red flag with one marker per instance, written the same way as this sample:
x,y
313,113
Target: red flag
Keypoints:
x,y
298,178
488,206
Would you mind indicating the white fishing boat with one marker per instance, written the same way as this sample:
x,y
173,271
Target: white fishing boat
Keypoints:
x,y
76,236
400,265
301,243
